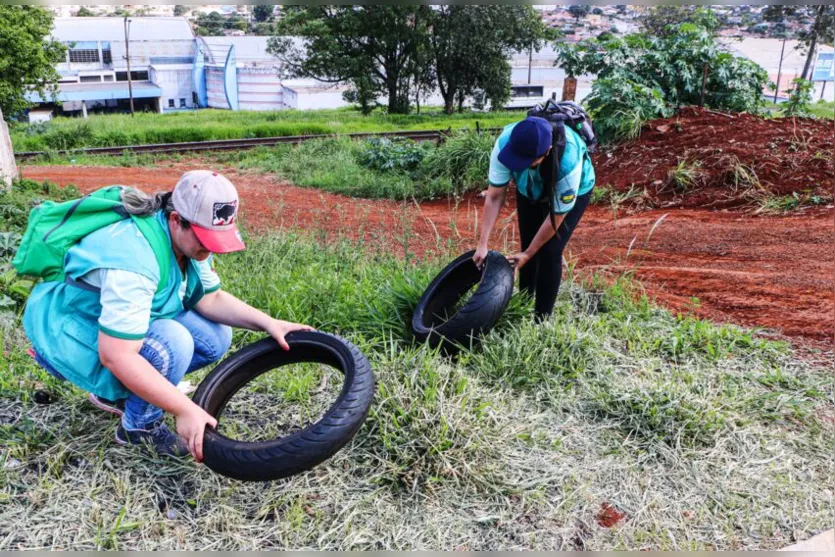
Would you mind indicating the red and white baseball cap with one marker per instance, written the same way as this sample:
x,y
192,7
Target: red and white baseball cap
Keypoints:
x,y
209,202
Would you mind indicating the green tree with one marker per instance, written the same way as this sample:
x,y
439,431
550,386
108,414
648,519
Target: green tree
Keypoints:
x,y
235,22
759,29
27,56
371,47
777,12
261,29
780,29
661,21
363,93
579,10
84,12
471,45
262,12
210,25
180,9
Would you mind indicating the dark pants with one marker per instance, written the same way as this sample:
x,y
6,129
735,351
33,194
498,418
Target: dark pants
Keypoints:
x,y
542,274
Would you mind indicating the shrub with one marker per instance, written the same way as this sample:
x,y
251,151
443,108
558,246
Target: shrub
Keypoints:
x,y
464,159
800,99
383,154
641,76
619,107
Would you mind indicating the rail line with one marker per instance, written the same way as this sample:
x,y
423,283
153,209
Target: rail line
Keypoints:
x,y
236,144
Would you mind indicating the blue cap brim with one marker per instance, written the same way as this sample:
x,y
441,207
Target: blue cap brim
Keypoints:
x,y
513,161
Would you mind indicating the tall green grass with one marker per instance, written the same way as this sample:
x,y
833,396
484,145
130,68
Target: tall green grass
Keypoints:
x,y
342,165
818,109
111,130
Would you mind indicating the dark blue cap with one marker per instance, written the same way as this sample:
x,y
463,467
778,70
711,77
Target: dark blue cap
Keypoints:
x,y
529,140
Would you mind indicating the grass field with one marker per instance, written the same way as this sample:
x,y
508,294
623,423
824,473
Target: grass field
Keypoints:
x,y
111,130
704,437
818,109
377,168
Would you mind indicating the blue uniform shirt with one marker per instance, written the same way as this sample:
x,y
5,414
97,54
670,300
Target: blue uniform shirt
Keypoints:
x,y
576,176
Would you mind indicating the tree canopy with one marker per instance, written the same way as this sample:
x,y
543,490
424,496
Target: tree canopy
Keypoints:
x,y
579,10
400,51
471,44
262,12
27,56
662,21
371,47
211,24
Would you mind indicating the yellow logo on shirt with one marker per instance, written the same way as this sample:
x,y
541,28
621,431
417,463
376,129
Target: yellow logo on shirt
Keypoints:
x,y
567,197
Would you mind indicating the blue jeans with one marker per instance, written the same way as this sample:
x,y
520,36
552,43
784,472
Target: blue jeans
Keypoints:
x,y
174,347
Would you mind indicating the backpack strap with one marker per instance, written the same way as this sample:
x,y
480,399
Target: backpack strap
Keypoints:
x,y
557,151
153,231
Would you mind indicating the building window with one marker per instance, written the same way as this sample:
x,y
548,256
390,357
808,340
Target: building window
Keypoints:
x,y
170,103
107,77
90,79
135,76
106,56
527,91
84,55
182,103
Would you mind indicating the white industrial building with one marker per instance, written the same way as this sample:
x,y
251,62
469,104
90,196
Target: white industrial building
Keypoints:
x,y
94,74
242,75
172,70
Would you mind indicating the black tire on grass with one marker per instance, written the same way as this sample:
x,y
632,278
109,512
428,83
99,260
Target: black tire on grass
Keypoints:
x,y
286,456
478,315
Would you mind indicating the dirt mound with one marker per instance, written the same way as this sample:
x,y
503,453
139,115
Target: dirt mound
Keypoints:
x,y
702,158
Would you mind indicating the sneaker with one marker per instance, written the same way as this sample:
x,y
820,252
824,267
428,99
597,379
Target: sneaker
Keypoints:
x,y
157,434
116,407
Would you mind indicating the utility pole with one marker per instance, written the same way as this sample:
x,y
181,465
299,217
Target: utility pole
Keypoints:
x,y
530,60
127,57
780,67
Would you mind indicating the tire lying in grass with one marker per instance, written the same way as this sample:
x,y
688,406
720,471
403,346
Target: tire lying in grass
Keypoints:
x,y
286,456
477,315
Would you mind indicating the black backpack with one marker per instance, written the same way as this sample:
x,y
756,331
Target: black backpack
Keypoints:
x,y
562,114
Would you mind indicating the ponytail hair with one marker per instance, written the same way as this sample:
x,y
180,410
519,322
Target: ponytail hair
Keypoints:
x,y
141,204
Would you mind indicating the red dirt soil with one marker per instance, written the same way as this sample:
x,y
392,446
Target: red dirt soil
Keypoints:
x,y
774,272
738,160
608,516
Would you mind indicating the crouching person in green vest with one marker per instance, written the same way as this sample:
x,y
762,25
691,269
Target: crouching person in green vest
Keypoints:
x,y
140,306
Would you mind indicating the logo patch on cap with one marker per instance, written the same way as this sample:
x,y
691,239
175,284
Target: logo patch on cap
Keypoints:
x,y
224,213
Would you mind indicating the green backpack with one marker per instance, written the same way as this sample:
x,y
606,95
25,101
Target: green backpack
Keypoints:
x,y
56,227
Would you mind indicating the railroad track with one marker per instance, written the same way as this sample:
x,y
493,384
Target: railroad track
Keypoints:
x,y
237,144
